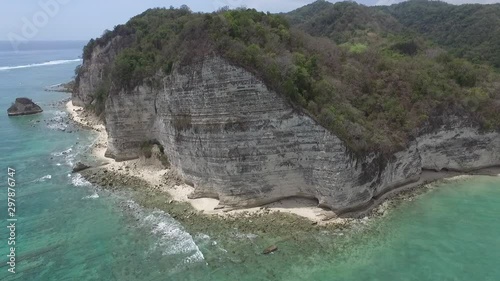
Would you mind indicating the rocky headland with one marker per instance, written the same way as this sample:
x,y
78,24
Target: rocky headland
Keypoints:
x,y
235,142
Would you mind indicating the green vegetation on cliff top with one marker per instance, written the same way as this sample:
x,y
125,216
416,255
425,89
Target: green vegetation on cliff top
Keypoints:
x,y
373,82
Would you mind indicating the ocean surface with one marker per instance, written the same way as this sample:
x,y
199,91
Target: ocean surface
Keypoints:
x,y
68,229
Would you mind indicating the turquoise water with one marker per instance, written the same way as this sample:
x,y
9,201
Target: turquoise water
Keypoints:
x,y
68,229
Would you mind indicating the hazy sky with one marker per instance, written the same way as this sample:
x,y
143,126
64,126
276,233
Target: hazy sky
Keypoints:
x,y
85,19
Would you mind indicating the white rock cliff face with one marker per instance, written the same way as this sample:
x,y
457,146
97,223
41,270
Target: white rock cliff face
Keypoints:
x,y
459,148
93,70
234,139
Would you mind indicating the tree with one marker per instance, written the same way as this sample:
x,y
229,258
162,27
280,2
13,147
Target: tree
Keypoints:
x,y
185,8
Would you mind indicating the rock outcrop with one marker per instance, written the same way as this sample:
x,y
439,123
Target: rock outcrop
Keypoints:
x,y
236,140
78,167
23,106
270,249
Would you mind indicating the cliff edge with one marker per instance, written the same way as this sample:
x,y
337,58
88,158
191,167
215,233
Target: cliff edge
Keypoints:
x,y
235,138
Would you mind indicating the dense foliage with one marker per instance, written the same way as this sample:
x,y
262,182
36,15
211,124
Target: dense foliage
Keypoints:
x,y
374,90
470,31
343,21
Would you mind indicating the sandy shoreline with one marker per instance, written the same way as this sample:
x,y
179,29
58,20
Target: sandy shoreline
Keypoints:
x,y
155,176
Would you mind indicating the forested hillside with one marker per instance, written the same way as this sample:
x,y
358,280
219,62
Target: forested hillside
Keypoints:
x,y
470,31
343,21
372,81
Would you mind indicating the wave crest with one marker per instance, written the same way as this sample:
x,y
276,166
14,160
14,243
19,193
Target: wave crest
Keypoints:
x,y
54,62
173,239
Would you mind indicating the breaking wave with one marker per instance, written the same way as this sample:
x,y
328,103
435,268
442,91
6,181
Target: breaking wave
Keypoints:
x,y
173,239
54,62
79,180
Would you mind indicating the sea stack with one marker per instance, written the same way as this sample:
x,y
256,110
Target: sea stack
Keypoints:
x,y
24,106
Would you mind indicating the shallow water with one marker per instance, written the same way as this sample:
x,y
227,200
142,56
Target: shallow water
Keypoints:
x,y
68,229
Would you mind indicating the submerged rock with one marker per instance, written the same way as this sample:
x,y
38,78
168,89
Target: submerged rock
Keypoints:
x,y
62,88
80,167
270,249
24,106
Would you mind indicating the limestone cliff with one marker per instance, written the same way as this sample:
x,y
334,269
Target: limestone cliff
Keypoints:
x,y
94,69
235,139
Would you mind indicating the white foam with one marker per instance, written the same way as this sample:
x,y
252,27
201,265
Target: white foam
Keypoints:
x,y
42,179
78,180
250,236
93,196
70,160
172,238
49,63
47,177
69,157
67,151
57,126
58,121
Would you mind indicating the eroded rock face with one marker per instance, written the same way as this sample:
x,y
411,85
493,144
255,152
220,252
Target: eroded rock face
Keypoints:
x,y
23,106
234,139
460,148
94,69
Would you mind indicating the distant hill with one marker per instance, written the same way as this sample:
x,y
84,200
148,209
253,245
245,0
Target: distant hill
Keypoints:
x,y
471,31
342,21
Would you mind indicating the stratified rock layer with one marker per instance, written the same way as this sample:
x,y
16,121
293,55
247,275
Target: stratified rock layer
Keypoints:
x,y
95,68
234,139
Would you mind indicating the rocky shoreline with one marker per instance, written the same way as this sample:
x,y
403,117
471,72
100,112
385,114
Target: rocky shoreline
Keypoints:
x,y
415,188
156,187
264,221
154,174
61,88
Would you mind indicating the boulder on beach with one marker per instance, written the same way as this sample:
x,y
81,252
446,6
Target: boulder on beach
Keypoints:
x,y
24,106
80,167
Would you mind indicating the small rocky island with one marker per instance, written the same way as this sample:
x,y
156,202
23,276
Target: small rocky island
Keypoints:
x,y
24,106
